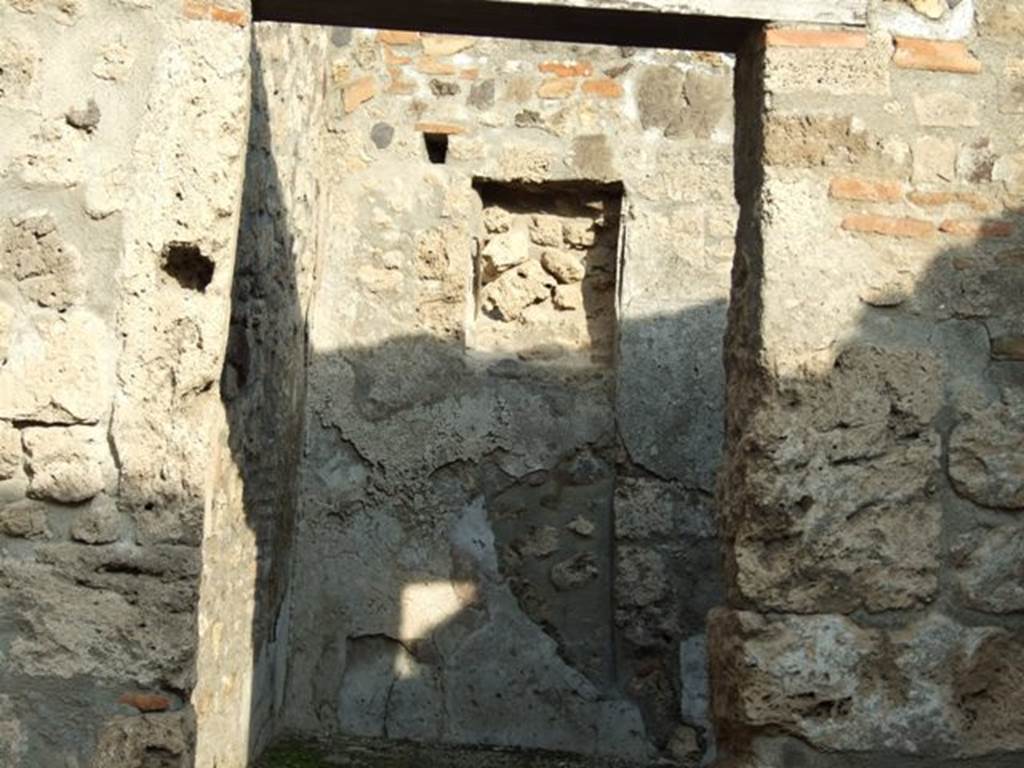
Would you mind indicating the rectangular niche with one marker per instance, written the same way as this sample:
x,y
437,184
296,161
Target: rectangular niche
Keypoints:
x,y
546,266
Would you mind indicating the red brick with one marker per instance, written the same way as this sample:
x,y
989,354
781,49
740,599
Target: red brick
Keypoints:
x,y
566,69
196,9
977,228
942,199
390,57
145,702
233,16
397,84
445,45
815,38
935,55
398,37
359,91
604,87
428,65
556,88
447,128
866,190
891,226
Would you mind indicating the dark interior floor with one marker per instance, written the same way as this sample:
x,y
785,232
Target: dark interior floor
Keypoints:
x,y
371,753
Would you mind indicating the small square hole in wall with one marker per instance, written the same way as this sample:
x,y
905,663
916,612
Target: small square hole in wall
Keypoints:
x,y
545,272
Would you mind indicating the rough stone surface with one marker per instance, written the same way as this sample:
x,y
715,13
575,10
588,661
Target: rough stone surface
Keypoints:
x,y
985,460
988,565
928,689
66,464
402,414
859,524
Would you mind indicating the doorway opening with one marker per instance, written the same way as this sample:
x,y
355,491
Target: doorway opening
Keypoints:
x,y
511,388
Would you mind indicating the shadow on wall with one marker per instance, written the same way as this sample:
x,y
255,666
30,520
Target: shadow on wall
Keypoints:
x,y
443,659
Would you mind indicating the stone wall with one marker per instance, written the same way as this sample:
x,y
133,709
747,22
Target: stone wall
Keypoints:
x,y
424,444
872,492
123,129
515,394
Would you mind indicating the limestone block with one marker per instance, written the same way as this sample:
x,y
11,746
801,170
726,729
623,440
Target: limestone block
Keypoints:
x,y
504,251
496,219
24,520
568,297
98,523
834,71
61,371
988,566
1011,87
19,62
934,160
932,688
1009,169
134,740
516,289
831,500
806,141
976,161
933,9
66,464
579,232
564,266
986,463
48,270
114,613
10,451
546,230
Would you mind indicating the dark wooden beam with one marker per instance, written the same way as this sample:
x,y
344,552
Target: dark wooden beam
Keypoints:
x,y
497,18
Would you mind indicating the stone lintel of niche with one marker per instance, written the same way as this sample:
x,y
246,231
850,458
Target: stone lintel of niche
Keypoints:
x,y
712,25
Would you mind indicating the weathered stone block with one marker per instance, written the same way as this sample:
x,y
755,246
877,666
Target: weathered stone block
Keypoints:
x,y
988,564
986,463
933,688
99,523
10,451
47,270
844,70
834,505
934,160
806,141
24,520
564,266
1011,87
66,464
62,371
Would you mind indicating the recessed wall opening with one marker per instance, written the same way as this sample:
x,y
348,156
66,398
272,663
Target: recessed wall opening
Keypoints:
x,y
546,263
504,533
437,147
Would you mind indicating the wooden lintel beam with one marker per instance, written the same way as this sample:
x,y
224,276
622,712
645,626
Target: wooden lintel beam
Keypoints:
x,y
525,20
